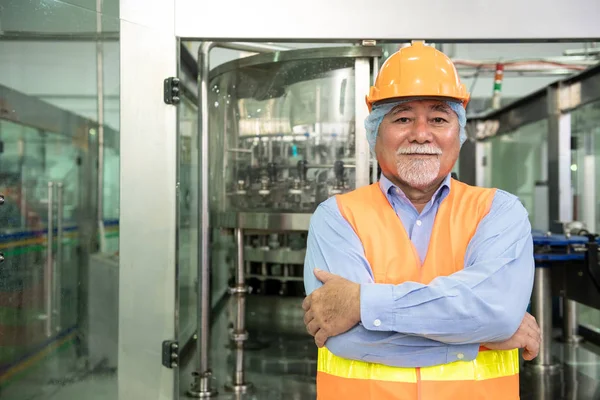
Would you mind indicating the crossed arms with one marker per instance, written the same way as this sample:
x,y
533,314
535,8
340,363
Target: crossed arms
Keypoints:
x,y
417,325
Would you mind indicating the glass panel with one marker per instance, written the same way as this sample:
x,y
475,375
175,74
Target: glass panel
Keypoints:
x,y
517,163
187,217
58,290
39,281
286,131
585,129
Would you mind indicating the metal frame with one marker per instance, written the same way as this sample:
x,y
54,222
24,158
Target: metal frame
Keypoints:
x,y
148,256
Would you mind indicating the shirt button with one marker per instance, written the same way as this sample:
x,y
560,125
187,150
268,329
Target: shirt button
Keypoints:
x,y
418,222
460,356
377,322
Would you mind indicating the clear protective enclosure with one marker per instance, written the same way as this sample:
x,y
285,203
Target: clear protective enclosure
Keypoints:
x,y
283,131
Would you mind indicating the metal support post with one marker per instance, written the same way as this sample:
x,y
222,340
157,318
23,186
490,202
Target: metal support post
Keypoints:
x,y
239,334
560,200
542,310
570,322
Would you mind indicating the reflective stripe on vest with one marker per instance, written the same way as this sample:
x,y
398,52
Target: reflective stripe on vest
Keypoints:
x,y
493,375
487,365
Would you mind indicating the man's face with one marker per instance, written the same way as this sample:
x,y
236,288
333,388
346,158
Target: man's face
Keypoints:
x,y
418,142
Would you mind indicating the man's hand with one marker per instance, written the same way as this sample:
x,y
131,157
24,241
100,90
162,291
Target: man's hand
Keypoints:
x,y
527,337
333,308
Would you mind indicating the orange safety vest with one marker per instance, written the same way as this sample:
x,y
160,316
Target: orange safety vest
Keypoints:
x,y
493,375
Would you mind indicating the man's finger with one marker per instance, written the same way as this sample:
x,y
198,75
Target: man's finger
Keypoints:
x,y
532,322
312,327
527,356
529,335
533,330
320,338
532,349
306,303
323,276
308,316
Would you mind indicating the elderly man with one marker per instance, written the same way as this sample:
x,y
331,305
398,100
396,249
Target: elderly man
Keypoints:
x,y
418,284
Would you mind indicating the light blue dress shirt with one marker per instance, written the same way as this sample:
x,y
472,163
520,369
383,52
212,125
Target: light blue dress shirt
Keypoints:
x,y
417,325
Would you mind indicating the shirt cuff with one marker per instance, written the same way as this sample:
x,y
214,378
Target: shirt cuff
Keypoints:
x,y
376,307
462,352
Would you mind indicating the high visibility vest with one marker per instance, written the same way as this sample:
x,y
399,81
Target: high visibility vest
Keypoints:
x,y
493,375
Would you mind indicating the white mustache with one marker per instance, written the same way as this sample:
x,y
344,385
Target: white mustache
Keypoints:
x,y
419,149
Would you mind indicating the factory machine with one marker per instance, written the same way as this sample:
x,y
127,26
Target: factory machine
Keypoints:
x,y
285,133
567,267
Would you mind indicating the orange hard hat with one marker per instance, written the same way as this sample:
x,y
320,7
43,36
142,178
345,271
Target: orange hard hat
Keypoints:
x,y
417,71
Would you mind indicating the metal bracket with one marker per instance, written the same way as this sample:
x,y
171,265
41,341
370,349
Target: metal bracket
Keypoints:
x,y
238,336
1,257
1,199
170,354
239,289
171,91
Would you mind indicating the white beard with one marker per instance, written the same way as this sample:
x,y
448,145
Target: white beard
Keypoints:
x,y
418,172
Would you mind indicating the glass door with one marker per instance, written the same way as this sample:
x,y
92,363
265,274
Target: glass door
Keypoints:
x,y
187,218
41,277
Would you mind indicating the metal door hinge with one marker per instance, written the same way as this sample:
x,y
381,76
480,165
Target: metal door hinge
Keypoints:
x,y
171,91
170,354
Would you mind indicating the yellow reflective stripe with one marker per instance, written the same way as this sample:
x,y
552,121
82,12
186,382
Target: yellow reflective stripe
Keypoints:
x,y
344,368
488,365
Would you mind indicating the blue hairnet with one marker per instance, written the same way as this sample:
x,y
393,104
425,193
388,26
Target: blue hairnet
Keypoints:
x,y
379,111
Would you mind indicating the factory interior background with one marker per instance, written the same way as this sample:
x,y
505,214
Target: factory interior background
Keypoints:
x,y
83,313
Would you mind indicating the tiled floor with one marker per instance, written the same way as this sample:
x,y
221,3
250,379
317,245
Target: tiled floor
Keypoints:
x,y
281,364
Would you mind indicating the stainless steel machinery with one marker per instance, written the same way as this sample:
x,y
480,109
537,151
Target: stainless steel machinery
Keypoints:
x,y
285,132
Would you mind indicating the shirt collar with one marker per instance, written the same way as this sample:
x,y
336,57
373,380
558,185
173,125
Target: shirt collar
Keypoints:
x,y
387,187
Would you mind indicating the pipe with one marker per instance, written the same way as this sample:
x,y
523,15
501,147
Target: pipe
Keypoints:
x,y
582,52
201,386
239,334
58,266
570,322
59,37
49,258
240,329
203,374
541,307
250,47
100,94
